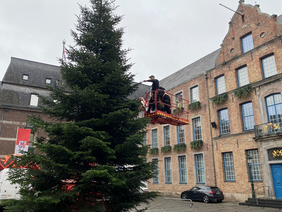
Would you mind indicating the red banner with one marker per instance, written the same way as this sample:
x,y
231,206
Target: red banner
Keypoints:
x,y
22,140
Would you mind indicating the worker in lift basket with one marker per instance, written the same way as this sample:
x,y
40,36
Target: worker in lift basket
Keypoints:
x,y
155,86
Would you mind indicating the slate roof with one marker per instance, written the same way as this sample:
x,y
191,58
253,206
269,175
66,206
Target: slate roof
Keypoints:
x,y
191,71
37,72
279,18
18,95
140,92
15,91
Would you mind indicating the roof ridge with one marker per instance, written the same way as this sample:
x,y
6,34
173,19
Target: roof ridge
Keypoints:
x,y
190,64
31,61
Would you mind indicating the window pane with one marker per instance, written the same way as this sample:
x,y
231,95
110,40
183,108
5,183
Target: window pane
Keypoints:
x,y
156,178
255,166
269,66
220,85
25,77
247,43
277,98
200,170
182,169
224,122
194,94
179,100
197,129
180,131
200,162
229,167
243,78
155,138
168,172
178,97
48,81
166,136
248,116
274,108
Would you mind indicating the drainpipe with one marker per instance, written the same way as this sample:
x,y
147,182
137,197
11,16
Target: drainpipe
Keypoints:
x,y
2,120
207,84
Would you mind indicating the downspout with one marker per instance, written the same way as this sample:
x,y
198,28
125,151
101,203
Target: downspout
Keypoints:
x,y
2,120
207,84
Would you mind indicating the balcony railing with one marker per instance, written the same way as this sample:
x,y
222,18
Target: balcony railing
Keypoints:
x,y
268,129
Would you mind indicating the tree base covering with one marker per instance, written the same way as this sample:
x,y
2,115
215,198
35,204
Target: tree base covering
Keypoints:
x,y
93,158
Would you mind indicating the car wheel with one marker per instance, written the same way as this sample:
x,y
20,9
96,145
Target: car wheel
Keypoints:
x,y
184,196
206,199
219,200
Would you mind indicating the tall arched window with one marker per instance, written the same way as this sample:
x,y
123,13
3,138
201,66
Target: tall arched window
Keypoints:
x,y
274,108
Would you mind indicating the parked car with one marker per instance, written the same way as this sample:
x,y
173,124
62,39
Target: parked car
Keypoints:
x,y
203,193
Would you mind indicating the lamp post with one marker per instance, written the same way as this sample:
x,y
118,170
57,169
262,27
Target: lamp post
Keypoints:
x,y
250,161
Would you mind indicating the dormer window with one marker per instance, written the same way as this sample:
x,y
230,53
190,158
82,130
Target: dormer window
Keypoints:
x,y
48,81
247,43
25,77
33,100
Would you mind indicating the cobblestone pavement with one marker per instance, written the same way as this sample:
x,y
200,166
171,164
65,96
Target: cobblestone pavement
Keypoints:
x,y
172,204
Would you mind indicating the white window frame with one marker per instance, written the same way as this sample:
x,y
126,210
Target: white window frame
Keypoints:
x,y
25,77
33,100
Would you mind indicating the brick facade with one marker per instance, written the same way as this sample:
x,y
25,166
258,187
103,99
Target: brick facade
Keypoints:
x,y
266,34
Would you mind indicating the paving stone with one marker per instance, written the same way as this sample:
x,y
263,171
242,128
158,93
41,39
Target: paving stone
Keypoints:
x,y
163,204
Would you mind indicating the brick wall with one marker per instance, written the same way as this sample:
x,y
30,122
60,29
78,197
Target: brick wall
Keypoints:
x,y
13,118
239,140
206,149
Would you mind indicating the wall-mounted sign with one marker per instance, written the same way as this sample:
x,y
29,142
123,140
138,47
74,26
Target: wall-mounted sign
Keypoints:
x,y
275,154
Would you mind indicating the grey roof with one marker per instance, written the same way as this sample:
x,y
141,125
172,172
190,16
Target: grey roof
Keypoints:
x,y
191,71
279,18
15,91
140,92
37,72
19,95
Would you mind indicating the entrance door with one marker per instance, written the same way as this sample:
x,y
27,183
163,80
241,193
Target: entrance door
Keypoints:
x,y
276,170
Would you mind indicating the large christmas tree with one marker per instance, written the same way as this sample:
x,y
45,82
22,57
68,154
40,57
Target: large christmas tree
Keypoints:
x,y
92,158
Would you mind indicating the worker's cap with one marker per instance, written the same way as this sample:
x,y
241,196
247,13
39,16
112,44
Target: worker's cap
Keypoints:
x,y
151,76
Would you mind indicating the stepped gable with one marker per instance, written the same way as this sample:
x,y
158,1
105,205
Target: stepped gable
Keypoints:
x,y
191,71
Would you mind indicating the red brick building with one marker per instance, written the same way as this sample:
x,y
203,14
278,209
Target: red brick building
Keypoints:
x,y
23,79
239,90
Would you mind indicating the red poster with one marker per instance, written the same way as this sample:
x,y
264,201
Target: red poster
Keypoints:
x,y
22,140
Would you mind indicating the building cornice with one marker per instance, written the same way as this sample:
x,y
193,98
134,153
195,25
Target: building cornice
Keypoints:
x,y
234,135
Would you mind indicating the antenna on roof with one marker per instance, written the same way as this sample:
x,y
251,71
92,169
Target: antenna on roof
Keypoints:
x,y
230,9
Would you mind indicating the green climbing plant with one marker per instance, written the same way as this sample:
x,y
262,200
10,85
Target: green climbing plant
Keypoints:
x,y
219,99
194,105
166,149
196,144
242,92
179,147
154,151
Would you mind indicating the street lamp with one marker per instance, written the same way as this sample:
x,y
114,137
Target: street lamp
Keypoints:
x,y
250,161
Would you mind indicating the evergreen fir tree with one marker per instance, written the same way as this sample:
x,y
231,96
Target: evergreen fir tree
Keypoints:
x,y
93,158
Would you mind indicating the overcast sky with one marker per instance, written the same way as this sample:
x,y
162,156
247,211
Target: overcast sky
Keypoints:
x,y
164,35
